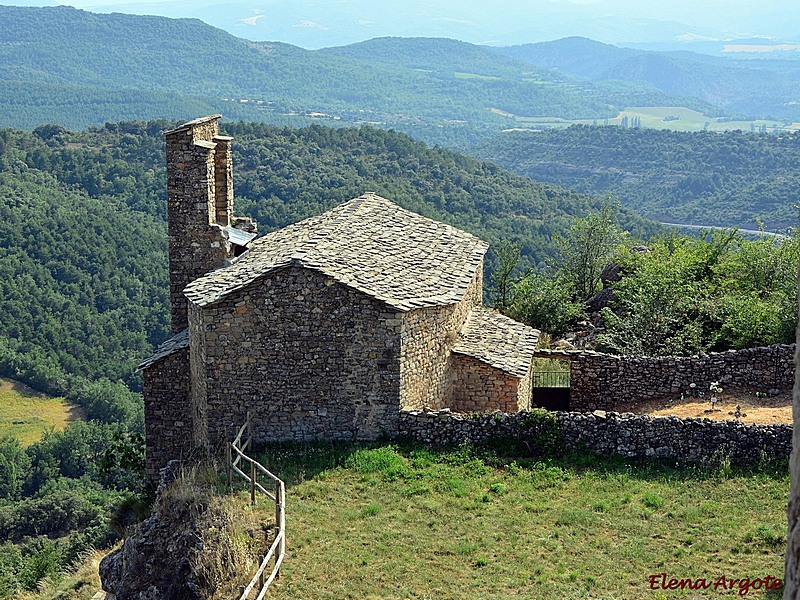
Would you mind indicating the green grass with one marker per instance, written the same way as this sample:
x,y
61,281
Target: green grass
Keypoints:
x,y
402,521
26,414
653,117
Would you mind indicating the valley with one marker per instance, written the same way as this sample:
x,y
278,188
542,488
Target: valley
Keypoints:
x,y
673,118
518,145
26,414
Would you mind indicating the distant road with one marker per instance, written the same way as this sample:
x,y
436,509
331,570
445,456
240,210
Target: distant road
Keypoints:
x,y
748,231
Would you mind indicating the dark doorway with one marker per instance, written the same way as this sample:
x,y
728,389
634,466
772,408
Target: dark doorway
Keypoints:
x,y
550,390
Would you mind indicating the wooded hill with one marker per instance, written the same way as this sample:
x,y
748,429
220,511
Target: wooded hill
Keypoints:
x,y
724,179
83,271
764,88
79,68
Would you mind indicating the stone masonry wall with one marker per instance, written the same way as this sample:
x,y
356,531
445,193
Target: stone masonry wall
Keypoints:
x,y
628,435
223,180
197,244
478,387
525,392
309,357
428,335
598,381
198,374
167,411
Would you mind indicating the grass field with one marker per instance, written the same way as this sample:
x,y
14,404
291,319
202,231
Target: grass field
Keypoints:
x,y
410,522
676,118
26,414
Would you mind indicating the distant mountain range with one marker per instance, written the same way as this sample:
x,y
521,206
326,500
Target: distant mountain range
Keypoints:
x,y
768,88
678,25
80,68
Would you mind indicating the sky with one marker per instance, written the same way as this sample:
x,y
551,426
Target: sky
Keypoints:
x,y
319,23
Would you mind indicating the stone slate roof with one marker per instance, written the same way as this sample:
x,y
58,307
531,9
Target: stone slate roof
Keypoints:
x,y
498,341
176,342
368,243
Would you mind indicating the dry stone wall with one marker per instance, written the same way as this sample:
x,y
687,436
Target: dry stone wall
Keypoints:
x,y
610,433
309,357
599,381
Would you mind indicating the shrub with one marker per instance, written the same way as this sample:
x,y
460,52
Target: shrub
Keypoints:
x,y
542,430
384,460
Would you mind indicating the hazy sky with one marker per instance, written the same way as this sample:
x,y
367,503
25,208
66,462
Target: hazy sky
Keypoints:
x,y
316,23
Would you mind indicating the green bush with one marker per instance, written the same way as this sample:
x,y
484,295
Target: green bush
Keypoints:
x,y
542,431
384,460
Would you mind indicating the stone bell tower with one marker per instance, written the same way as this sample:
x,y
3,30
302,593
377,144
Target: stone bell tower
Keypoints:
x,y
203,233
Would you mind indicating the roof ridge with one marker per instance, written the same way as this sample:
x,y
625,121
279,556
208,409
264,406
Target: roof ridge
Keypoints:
x,y
368,243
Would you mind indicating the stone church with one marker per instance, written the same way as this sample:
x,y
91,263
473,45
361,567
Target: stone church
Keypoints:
x,y
325,329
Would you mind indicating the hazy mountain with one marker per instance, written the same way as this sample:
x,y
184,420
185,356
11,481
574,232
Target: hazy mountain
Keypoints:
x,y
755,88
81,68
673,25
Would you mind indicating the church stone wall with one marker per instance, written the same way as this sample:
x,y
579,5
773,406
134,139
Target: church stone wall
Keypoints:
x,y
428,335
310,358
480,387
167,411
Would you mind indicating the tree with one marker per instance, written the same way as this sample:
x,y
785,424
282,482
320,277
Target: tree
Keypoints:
x,y
501,282
546,303
14,465
589,246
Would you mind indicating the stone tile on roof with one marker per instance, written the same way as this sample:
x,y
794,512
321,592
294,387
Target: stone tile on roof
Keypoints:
x,y
498,341
368,243
173,344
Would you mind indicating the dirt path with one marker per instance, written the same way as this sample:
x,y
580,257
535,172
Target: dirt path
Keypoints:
x,y
776,409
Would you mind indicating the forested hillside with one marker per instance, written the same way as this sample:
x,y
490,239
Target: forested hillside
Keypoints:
x,y
83,235
729,179
79,69
756,88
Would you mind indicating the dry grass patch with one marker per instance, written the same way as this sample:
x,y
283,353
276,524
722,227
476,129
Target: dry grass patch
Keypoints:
x,y
80,583
26,414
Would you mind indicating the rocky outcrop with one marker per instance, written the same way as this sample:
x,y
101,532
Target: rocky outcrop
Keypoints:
x,y
184,551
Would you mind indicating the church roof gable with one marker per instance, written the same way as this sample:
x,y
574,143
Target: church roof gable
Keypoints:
x,y
368,243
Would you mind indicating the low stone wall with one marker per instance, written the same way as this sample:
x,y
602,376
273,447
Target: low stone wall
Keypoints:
x,y
600,381
626,434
